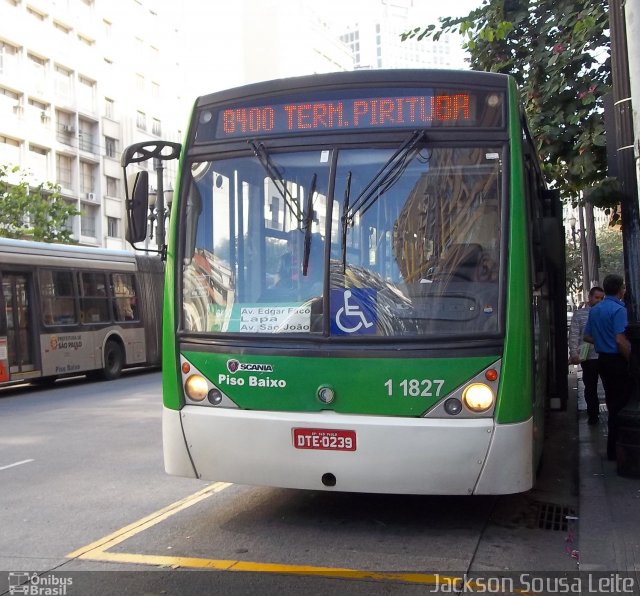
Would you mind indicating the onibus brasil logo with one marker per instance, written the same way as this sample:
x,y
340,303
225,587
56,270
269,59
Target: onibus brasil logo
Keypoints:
x,y
32,584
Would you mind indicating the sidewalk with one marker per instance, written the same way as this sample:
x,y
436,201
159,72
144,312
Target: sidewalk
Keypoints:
x,y
609,509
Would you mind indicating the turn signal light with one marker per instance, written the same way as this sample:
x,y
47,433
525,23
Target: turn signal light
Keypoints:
x,y
491,375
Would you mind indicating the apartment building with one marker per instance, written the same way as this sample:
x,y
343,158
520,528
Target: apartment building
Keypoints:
x,y
79,80
375,38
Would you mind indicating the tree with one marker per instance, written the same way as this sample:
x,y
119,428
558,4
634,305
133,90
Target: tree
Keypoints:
x,y
609,242
32,212
558,51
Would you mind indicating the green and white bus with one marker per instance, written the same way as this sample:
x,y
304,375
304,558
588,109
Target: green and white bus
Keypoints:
x,y
364,286
67,310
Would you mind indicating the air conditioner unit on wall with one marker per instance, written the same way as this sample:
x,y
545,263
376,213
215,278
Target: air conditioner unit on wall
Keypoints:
x,y
91,196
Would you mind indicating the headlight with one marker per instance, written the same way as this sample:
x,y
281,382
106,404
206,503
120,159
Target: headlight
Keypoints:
x,y
478,397
196,387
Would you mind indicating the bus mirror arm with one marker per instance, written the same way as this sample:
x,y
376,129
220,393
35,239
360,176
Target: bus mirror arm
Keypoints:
x,y
141,152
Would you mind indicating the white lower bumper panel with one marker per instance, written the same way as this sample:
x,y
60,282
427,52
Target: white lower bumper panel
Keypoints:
x,y
393,455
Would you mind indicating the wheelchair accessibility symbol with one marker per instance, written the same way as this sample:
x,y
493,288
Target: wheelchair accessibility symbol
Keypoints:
x,y
353,311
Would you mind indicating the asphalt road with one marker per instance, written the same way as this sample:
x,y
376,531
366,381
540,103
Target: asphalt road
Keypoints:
x,y
84,498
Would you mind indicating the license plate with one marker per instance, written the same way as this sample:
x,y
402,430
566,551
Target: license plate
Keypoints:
x,y
324,438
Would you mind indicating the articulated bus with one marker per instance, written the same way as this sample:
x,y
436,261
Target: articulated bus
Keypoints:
x,y
364,285
67,310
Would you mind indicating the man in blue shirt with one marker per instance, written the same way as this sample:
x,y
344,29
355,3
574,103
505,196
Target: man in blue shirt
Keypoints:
x,y
605,328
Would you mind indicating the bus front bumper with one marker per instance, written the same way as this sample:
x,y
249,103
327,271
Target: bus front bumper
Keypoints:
x,y
392,455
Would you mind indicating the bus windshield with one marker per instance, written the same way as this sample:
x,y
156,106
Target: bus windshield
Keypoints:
x,y
394,242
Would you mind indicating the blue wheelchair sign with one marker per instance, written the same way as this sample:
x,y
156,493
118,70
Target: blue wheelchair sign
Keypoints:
x,y
353,311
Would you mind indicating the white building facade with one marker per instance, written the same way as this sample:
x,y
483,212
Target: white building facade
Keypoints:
x,y
82,79
79,80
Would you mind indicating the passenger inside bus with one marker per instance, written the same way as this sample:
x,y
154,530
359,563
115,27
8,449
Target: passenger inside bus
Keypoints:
x,y
126,306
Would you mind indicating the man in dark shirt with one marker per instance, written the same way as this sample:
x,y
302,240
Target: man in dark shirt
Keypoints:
x,y
606,329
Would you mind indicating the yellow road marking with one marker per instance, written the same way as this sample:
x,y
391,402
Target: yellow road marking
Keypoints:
x,y
256,567
98,551
149,521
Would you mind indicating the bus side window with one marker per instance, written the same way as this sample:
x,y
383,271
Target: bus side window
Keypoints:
x,y
126,306
93,298
57,295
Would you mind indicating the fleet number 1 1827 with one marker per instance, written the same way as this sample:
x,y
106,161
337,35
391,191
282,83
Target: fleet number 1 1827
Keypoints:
x,y
414,387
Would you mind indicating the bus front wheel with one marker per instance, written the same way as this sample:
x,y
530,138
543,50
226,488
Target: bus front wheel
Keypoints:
x,y
113,361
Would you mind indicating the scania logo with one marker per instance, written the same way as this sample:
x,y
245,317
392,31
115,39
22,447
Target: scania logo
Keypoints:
x,y
234,366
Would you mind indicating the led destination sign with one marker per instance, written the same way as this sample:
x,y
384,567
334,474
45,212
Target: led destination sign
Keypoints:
x,y
455,108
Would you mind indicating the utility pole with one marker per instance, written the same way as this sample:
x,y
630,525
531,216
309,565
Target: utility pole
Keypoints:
x,y
592,245
586,268
628,446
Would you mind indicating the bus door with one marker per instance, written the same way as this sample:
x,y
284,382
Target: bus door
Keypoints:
x,y
16,290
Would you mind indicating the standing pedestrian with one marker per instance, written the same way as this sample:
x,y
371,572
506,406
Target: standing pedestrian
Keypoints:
x,y
585,354
605,328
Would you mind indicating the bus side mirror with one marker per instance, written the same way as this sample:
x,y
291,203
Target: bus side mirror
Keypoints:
x,y
137,208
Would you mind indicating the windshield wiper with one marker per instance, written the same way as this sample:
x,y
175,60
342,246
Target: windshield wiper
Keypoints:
x,y
385,178
276,177
345,221
308,223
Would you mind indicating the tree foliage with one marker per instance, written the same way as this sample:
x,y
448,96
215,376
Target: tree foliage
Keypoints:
x,y
609,241
32,212
558,51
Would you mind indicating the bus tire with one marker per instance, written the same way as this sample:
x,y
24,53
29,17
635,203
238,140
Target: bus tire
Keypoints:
x,y
113,360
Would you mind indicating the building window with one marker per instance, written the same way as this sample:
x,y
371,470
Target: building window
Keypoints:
x,y
110,147
7,57
141,120
108,107
63,80
156,127
87,177
9,150
112,186
86,91
85,136
88,221
37,73
64,171
112,227
38,157
66,130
